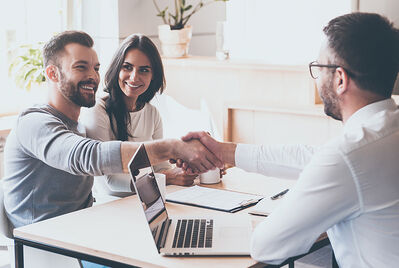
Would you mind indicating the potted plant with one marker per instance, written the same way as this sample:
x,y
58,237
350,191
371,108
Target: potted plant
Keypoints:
x,y
175,34
27,66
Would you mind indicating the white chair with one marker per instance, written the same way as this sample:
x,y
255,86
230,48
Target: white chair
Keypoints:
x,y
34,258
5,225
178,120
6,237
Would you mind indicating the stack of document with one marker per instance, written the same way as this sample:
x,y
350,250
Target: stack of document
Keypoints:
x,y
213,198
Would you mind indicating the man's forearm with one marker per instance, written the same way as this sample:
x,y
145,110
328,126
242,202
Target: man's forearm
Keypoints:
x,y
227,153
158,151
161,150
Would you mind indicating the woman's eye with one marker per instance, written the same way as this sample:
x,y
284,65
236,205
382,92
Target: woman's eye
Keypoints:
x,y
127,67
145,70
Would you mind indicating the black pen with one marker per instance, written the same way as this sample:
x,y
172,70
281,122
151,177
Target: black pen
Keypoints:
x,y
280,194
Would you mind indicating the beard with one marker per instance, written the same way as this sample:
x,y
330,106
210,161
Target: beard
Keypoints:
x,y
329,97
72,92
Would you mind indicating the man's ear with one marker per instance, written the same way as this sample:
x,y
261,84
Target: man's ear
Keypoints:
x,y
52,73
342,80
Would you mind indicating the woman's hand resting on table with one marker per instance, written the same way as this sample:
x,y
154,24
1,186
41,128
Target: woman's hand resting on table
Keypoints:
x,y
178,176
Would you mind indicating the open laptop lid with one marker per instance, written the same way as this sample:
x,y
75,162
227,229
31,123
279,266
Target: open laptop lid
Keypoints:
x,y
147,190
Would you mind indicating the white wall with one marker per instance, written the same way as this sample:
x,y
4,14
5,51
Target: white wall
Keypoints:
x,y
99,18
140,16
279,32
388,8
276,32
110,21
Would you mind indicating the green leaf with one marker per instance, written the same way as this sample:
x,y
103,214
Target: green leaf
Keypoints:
x,y
179,19
27,66
173,16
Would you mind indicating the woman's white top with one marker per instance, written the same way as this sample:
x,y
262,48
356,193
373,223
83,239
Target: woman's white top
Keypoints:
x,y
145,125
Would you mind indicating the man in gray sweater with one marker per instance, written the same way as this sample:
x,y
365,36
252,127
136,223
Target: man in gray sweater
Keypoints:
x,y
49,164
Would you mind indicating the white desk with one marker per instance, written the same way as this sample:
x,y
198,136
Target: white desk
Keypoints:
x,y
116,233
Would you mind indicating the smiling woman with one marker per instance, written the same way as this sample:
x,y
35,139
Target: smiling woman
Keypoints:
x,y
133,78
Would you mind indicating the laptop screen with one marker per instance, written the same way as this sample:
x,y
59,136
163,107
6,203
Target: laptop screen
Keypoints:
x,y
149,195
146,185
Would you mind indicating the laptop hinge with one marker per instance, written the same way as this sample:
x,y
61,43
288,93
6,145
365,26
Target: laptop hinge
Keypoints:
x,y
164,233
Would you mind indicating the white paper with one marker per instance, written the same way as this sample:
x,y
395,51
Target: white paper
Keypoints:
x,y
212,198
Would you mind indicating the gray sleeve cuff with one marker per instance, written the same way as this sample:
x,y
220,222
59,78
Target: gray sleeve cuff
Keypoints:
x,y
112,161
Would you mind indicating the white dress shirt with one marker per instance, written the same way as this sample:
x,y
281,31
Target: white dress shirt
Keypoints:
x,y
348,187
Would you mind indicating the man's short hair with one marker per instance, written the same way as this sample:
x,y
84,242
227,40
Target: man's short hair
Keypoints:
x,y
53,48
367,46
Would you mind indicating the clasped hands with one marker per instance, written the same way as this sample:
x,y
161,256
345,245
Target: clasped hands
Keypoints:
x,y
199,154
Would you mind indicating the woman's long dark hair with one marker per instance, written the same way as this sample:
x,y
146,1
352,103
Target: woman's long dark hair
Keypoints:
x,y
115,105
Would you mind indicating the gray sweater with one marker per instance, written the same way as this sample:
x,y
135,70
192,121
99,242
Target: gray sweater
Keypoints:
x,y
49,166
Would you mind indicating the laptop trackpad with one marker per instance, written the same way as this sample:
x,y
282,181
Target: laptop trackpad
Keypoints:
x,y
230,232
233,239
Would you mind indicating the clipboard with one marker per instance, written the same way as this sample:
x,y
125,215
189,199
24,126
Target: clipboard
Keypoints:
x,y
222,200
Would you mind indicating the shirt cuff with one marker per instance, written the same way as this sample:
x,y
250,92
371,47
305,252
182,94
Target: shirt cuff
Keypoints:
x,y
245,157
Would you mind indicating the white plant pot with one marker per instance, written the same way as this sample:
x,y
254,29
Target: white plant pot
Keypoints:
x,y
174,43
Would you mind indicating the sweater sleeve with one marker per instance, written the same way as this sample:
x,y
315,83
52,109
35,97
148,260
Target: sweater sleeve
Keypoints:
x,y
55,144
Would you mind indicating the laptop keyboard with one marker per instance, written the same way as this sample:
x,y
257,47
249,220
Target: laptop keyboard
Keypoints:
x,y
154,231
193,234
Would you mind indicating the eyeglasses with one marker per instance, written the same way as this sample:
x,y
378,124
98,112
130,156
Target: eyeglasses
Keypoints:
x,y
315,68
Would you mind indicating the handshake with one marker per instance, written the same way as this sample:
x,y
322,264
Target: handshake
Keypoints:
x,y
198,152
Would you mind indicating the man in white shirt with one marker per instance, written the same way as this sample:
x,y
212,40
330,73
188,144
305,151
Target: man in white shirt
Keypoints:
x,y
350,186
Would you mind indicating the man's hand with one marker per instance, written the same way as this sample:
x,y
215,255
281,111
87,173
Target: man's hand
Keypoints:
x,y
223,150
196,156
213,145
177,176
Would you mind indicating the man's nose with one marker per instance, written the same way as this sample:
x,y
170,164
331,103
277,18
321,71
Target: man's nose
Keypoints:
x,y
94,77
94,74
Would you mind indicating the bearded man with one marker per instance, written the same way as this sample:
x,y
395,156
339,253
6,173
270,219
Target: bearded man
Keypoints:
x,y
348,187
49,164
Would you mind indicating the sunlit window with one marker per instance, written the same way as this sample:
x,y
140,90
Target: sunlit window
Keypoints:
x,y
279,32
25,22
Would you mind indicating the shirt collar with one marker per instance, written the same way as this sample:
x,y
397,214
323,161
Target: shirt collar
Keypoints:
x,y
366,112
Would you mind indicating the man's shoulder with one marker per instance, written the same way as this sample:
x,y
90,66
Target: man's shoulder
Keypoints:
x,y
380,127
39,110
39,115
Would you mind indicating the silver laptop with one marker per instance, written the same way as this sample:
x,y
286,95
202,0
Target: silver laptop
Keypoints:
x,y
185,236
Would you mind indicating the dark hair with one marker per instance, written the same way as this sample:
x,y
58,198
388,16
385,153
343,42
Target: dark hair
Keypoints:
x,y
367,46
56,44
115,105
